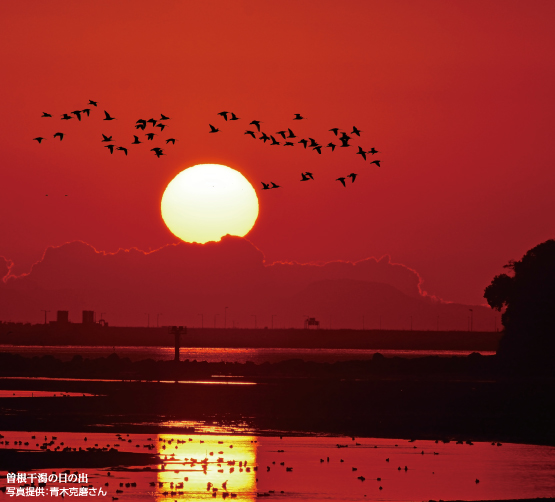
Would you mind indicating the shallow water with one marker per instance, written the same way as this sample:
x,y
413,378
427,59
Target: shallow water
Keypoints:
x,y
215,355
434,470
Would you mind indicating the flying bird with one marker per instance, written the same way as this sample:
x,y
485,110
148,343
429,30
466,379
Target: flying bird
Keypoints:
x,y
281,133
77,113
94,103
377,162
87,111
352,176
163,117
342,180
157,151
291,135
161,126
234,117
318,149
274,185
106,138
150,136
110,147
361,152
264,137
356,131
344,141
313,142
309,175
373,151
173,140
60,135
65,116
212,128
141,121
152,121
335,130
44,114
39,139
251,133
305,177
274,142
140,126
108,117
331,145
123,149
136,141
298,116
223,114
265,186
256,123
304,142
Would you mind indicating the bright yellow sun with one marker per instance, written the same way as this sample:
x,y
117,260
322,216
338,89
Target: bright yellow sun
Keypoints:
x,y
207,201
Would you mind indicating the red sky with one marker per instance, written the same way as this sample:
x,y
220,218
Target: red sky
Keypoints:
x,y
457,97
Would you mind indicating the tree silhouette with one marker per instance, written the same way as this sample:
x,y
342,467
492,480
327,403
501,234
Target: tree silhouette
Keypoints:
x,y
528,296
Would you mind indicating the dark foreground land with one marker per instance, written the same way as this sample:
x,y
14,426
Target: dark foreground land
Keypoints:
x,y
430,398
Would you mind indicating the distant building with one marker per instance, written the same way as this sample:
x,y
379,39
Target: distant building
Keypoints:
x,y
62,316
88,316
311,321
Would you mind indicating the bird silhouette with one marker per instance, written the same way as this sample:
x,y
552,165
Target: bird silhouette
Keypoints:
x,y
65,116
265,186
304,142
291,134
305,177
335,130
298,116
150,136
213,129
344,141
94,103
274,142
110,147
281,133
60,135
136,141
234,117
87,111
274,185
106,138
331,145
161,126
313,142
141,121
251,133
342,181
123,149
223,114
157,151
373,151
356,131
361,152
352,176
288,143
140,126
44,114
256,123
163,117
173,140
152,121
39,139
264,137
377,162
318,149
108,117
77,113
309,175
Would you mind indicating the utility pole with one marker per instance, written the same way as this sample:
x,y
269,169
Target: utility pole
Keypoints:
x,y
157,315
225,317
201,320
254,315
273,315
45,312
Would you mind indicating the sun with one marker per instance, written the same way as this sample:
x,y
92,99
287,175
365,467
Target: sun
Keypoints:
x,y
207,201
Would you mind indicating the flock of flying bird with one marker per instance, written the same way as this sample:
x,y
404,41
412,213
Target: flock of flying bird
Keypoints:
x,y
140,124
287,138
288,135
